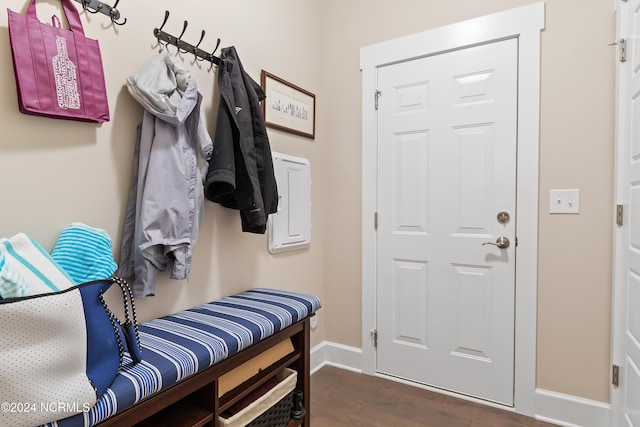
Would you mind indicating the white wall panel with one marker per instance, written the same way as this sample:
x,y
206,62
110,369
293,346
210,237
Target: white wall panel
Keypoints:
x,y
290,227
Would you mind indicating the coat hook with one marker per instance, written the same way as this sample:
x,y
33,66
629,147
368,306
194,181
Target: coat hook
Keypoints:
x,y
195,50
157,31
166,18
211,56
164,40
216,48
113,18
115,14
184,28
85,6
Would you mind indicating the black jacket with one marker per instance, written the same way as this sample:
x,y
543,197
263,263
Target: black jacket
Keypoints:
x,y
240,174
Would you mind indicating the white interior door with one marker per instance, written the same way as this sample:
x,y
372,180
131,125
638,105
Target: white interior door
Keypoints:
x,y
626,330
447,147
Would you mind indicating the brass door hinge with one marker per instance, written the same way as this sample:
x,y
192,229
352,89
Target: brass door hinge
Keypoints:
x,y
615,380
376,95
622,49
619,214
374,338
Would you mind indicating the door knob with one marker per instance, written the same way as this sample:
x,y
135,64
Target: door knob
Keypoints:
x,y
501,242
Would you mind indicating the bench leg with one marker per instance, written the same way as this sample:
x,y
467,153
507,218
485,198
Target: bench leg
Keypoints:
x,y
302,341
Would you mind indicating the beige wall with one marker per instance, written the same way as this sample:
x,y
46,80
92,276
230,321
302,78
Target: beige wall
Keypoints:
x,y
56,172
576,148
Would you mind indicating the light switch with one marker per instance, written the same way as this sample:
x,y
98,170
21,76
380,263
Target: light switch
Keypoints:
x,y
564,201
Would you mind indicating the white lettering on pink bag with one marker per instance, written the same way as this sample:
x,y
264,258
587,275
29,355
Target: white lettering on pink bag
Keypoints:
x,y
66,77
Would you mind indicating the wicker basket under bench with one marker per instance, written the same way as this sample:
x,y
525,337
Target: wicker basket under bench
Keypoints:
x,y
189,358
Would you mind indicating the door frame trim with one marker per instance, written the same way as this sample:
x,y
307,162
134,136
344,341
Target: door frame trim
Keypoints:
x,y
524,23
623,123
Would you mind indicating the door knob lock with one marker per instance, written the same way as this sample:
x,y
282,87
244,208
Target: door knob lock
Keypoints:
x,y
501,242
503,217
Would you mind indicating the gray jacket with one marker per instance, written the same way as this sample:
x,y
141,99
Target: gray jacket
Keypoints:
x,y
166,199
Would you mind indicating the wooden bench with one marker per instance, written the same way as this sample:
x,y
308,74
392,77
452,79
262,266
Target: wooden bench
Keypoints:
x,y
223,335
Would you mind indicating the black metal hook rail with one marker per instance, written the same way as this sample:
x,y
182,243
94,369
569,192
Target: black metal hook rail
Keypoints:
x,y
96,6
185,47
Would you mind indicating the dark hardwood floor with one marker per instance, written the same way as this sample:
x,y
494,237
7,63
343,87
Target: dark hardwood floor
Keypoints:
x,y
343,398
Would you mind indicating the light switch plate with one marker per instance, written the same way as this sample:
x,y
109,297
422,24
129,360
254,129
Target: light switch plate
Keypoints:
x,y
566,201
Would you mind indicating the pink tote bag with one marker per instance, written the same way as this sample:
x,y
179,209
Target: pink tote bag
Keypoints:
x,y
59,73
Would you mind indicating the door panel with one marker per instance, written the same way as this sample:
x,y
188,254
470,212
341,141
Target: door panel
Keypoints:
x,y
447,165
411,183
410,303
473,289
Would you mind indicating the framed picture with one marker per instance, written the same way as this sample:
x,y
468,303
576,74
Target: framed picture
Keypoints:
x,y
288,107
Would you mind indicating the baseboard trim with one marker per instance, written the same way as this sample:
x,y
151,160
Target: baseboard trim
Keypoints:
x,y
571,411
338,355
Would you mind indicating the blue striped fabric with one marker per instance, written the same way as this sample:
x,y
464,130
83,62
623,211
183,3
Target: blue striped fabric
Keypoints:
x,y
178,346
85,253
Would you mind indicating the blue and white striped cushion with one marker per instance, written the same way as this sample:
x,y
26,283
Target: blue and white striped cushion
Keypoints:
x,y
178,346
